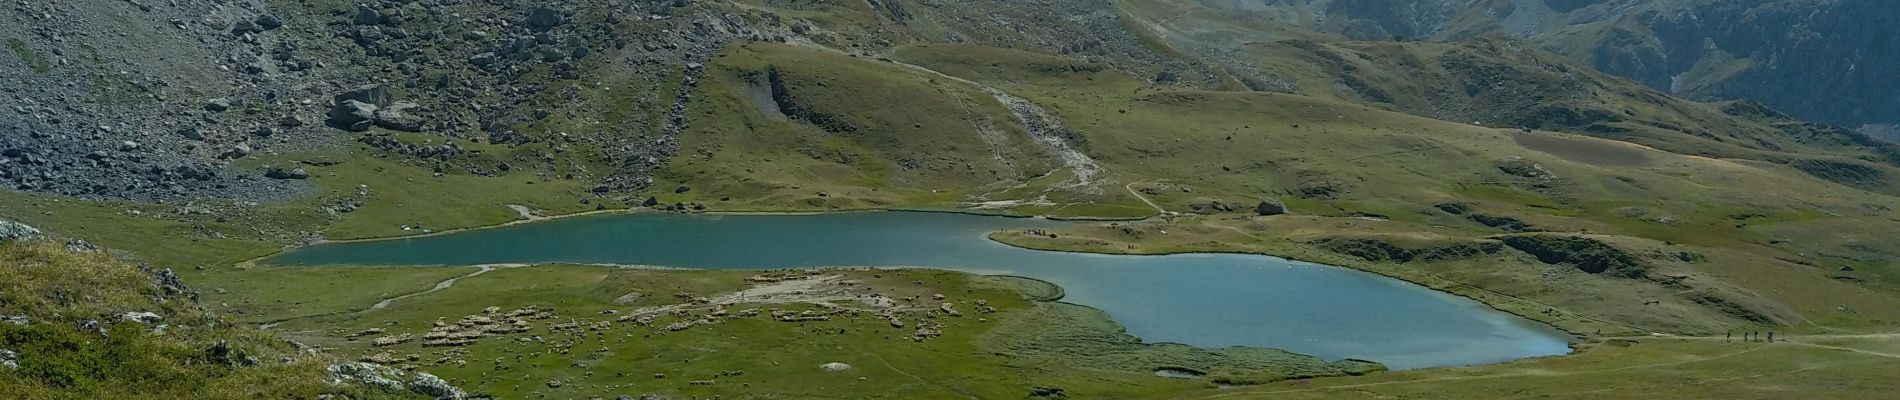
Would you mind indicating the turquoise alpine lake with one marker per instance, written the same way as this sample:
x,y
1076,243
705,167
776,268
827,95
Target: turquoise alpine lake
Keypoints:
x,y
1204,300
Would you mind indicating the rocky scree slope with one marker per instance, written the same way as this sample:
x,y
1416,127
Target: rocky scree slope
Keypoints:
x,y
164,101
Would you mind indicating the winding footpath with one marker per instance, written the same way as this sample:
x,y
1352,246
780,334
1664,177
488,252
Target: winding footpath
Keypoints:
x,y
384,303
1131,190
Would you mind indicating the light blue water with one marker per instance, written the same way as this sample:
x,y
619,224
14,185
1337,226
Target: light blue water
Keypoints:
x,y
1205,300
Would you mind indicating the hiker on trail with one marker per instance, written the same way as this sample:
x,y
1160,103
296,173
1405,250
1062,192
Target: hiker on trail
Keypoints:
x,y
1771,336
1728,336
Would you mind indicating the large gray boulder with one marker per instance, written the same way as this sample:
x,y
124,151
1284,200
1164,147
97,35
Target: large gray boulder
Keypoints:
x,y
353,115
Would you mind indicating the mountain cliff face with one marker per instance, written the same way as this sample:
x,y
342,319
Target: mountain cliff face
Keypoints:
x,y
1821,60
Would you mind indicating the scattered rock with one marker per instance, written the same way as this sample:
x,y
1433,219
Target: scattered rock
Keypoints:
x,y
169,282
1453,208
239,150
223,353
143,317
1524,168
280,173
389,379
400,116
10,231
1048,393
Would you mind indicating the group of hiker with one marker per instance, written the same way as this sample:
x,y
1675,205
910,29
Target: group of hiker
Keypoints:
x,y
1750,336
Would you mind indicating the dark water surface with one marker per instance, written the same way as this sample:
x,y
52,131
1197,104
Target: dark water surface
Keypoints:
x,y
1205,300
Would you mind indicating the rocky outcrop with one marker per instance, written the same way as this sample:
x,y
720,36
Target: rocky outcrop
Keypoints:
x,y
1585,253
391,379
1853,173
1269,208
13,231
1506,223
792,108
1381,250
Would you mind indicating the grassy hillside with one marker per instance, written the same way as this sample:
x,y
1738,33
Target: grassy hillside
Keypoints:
x,y
82,325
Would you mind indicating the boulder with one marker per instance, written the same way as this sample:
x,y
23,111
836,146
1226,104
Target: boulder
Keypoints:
x,y
399,116
835,367
482,60
541,19
143,317
81,246
223,353
237,151
432,386
365,15
290,121
1270,207
11,231
374,95
268,22
352,115
244,27
217,105
280,173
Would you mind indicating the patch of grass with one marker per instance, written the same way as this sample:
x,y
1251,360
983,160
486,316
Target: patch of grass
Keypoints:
x,y
28,57
1639,368
401,194
266,294
851,134
143,231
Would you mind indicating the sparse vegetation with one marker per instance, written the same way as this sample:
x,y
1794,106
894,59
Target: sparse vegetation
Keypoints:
x,y
27,56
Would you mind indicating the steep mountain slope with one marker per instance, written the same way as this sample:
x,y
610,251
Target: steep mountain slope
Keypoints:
x,y
1820,60
1492,80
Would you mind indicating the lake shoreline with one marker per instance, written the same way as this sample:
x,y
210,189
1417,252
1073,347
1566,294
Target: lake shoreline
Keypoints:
x,y
1577,337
